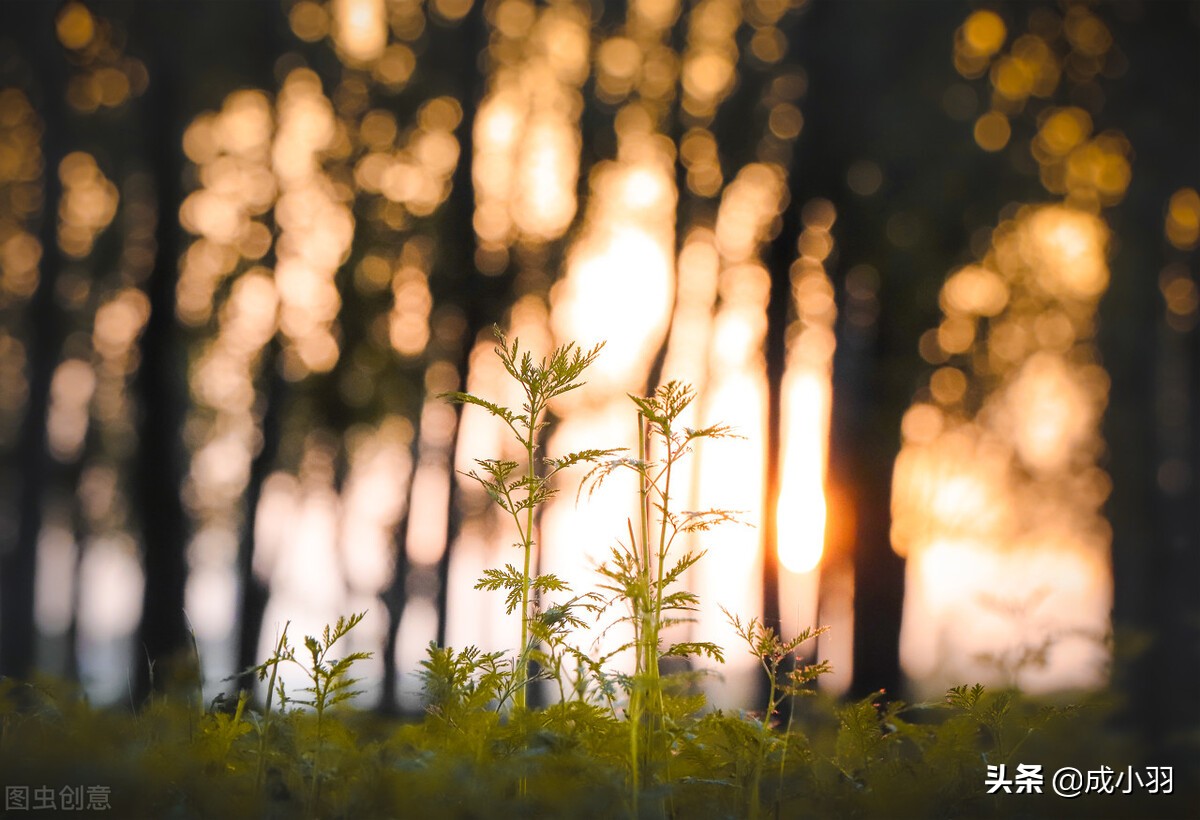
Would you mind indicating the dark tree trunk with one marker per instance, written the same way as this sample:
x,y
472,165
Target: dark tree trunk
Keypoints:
x,y
1191,619
1156,541
1188,633
18,560
868,396
479,298
394,599
254,594
261,46
160,382
454,55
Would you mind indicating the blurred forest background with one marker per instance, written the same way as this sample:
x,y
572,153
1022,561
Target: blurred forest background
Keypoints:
x,y
936,261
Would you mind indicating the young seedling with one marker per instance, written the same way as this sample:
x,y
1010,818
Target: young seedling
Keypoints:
x,y
520,490
269,667
640,573
329,683
772,653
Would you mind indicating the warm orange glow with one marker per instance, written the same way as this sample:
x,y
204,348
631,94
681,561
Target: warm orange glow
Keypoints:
x,y
708,70
409,321
1183,219
729,474
71,391
88,205
309,20
1086,33
620,275
1064,129
785,121
691,325
527,139
948,385
748,208
359,28
699,153
316,226
545,199
1036,589
1089,171
75,26
396,66
921,424
618,61
102,75
975,289
806,397
1067,249
996,496
1099,170
983,33
956,334
117,324
992,131
1051,412
801,505
1181,297
21,174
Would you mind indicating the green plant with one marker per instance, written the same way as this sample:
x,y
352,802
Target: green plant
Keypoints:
x,y
864,759
520,490
640,574
458,684
329,683
993,713
773,653
263,724
220,729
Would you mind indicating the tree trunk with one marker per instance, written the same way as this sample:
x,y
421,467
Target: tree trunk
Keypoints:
x,y
480,301
159,384
867,402
252,604
18,561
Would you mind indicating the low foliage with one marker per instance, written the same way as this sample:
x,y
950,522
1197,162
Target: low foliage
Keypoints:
x,y
613,744
871,758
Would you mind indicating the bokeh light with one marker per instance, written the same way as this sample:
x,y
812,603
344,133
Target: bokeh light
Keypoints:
x,y
997,493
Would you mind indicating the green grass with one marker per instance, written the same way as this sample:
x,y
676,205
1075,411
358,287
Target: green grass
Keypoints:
x,y
466,760
611,744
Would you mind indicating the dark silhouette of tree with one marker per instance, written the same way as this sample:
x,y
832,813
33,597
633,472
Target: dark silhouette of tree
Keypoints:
x,y
45,329
160,383
1155,372
252,602
455,281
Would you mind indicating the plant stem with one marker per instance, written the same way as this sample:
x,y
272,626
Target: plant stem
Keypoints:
x,y
755,799
662,560
314,790
645,655
635,719
644,521
266,724
783,756
522,669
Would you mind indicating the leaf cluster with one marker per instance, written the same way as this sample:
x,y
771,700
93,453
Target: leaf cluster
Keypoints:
x,y
520,491
329,680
